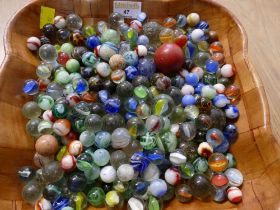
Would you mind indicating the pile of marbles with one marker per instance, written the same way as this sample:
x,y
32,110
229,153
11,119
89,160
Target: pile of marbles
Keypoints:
x,y
130,110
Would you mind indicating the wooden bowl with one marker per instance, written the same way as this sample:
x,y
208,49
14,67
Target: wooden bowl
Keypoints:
x,y
256,150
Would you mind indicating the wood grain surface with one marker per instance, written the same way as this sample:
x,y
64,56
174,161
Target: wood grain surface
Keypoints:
x,y
256,150
261,22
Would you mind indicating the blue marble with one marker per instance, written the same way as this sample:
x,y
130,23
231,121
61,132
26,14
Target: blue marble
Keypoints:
x,y
158,187
192,79
199,87
112,106
92,42
111,46
142,16
222,148
188,100
231,133
87,72
129,115
77,182
139,161
140,187
146,67
202,25
131,72
131,104
151,49
123,27
143,40
156,155
60,203
190,49
181,21
189,36
131,58
178,81
220,101
103,95
30,87
219,194
231,111
81,86
211,66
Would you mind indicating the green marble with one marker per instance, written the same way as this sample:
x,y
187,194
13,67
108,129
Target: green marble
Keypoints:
x,y
79,126
88,31
153,203
231,160
60,110
225,81
209,79
96,197
73,65
62,77
110,35
167,142
200,165
79,201
45,102
141,92
148,141
187,170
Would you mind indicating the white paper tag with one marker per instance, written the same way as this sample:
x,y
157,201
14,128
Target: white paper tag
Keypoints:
x,y
129,9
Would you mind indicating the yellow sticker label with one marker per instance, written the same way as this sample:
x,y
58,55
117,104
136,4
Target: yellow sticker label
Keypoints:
x,y
46,16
